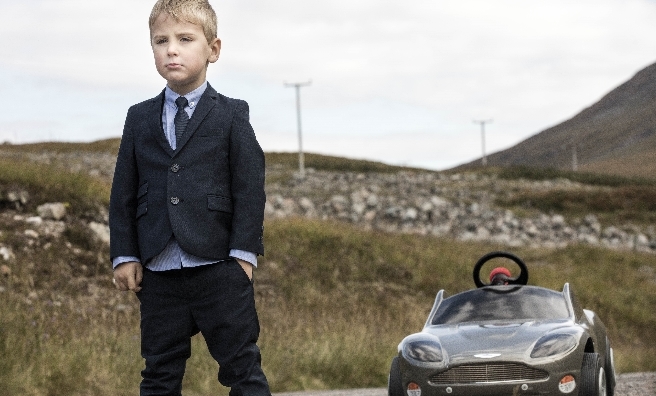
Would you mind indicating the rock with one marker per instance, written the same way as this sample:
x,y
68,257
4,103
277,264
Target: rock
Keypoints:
x,y
306,204
52,211
358,208
369,216
393,212
35,220
372,200
592,222
31,234
339,203
426,203
439,202
641,240
589,239
101,231
557,222
20,197
6,253
474,209
410,214
5,271
426,207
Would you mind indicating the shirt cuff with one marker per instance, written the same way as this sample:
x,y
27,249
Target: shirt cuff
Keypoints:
x,y
243,255
123,259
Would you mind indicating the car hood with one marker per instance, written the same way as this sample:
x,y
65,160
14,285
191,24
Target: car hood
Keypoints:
x,y
494,340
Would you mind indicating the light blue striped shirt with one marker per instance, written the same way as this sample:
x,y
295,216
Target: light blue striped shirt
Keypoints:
x,y
173,257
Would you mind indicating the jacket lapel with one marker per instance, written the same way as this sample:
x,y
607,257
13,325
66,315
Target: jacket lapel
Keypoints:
x,y
207,101
155,122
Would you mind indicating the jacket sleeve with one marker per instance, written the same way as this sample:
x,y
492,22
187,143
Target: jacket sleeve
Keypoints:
x,y
123,198
247,183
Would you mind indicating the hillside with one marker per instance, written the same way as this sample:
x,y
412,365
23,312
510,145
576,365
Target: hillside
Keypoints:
x,y
355,255
616,135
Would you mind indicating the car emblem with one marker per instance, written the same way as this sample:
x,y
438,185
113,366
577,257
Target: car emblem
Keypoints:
x,y
487,355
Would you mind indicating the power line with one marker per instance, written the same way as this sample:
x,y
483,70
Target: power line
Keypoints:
x,y
483,122
301,160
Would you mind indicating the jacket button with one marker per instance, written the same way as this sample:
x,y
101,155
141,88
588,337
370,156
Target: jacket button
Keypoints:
x,y
175,168
175,200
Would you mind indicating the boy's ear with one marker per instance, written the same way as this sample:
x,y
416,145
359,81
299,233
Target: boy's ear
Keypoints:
x,y
215,47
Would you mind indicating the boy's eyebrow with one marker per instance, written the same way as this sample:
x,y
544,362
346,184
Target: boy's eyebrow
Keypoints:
x,y
177,34
156,36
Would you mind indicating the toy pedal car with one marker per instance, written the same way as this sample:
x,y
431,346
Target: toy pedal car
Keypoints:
x,y
505,338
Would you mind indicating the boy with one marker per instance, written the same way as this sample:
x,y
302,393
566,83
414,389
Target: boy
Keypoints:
x,y
186,211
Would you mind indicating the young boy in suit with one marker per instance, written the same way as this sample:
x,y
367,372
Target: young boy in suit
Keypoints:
x,y
186,211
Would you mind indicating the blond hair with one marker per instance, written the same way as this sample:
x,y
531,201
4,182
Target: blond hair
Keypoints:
x,y
198,12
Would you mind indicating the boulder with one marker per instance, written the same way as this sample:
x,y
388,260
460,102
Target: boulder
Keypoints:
x,y
52,211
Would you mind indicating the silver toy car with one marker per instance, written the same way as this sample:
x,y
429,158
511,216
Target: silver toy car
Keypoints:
x,y
505,338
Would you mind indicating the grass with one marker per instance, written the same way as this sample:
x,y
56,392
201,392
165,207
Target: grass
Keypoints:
x,y
100,146
594,179
286,160
334,300
613,199
630,203
83,193
330,163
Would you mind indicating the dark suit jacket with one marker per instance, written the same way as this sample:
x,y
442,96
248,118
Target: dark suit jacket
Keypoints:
x,y
208,193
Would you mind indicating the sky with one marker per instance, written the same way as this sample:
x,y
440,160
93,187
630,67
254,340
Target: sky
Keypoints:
x,y
396,81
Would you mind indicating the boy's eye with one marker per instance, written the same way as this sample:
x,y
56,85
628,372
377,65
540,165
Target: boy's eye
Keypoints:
x,y
160,41
185,39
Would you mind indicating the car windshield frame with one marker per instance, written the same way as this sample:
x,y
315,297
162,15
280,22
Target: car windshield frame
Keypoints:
x,y
502,303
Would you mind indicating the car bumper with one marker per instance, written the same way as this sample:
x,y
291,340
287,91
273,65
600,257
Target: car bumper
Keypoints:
x,y
551,385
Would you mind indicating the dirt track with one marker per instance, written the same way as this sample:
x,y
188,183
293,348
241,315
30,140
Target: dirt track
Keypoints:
x,y
632,384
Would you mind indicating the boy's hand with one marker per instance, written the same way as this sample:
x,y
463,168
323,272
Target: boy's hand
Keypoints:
x,y
128,276
248,268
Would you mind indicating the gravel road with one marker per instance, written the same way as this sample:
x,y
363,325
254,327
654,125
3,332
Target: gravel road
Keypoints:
x,y
631,384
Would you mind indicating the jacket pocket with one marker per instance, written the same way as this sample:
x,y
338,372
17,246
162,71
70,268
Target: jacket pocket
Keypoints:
x,y
143,190
219,203
142,208
142,200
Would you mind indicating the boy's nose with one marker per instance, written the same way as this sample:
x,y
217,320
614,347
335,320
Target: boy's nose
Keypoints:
x,y
172,49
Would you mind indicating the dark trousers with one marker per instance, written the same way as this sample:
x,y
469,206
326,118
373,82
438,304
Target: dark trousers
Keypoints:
x,y
216,300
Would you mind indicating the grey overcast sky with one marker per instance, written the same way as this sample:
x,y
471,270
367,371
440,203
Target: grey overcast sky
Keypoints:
x,y
394,81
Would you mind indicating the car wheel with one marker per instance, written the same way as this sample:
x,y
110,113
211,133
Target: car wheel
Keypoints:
x,y
593,376
609,366
394,385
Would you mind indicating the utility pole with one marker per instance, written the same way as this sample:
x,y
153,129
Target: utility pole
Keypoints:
x,y
301,160
483,122
575,161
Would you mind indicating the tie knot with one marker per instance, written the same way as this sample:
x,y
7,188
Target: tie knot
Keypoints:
x,y
181,102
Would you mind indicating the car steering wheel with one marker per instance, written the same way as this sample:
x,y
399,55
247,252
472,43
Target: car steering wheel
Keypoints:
x,y
522,279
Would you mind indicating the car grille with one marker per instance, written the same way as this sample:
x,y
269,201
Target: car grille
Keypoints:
x,y
490,372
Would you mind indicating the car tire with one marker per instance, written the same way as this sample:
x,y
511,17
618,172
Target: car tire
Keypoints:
x,y
394,385
593,376
609,366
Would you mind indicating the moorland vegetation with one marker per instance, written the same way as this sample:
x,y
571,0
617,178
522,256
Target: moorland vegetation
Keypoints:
x,y
334,299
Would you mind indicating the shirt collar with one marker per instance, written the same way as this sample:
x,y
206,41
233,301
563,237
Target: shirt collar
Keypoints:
x,y
193,97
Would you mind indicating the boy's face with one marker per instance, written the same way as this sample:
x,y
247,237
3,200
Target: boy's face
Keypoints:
x,y
182,52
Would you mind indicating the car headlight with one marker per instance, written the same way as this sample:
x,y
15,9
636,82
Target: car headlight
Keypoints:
x,y
429,351
554,344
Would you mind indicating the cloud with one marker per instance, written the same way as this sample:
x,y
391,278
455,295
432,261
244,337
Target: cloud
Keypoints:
x,y
381,70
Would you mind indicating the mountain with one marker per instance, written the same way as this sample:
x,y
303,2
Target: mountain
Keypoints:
x,y
616,135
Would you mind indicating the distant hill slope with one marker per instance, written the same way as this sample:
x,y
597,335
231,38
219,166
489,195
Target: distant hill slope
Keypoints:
x,y
616,135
